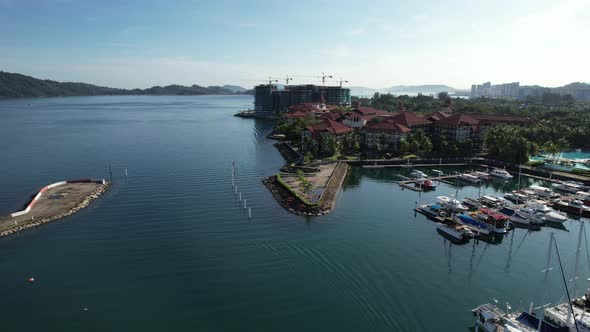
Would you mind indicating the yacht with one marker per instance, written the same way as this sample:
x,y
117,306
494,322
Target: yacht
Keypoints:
x,y
573,206
568,187
501,173
537,218
451,204
522,216
550,214
492,201
516,197
544,192
490,318
472,203
469,178
431,210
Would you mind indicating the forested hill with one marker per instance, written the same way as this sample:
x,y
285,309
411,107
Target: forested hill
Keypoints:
x,y
14,85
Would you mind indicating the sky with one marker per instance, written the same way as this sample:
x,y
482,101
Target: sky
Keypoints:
x,y
378,44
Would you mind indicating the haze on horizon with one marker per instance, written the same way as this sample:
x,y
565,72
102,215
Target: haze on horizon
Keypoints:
x,y
376,44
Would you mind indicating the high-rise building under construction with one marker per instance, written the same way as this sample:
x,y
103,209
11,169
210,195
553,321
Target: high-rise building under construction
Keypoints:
x,y
268,99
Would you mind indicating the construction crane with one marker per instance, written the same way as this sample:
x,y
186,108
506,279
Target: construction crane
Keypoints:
x,y
341,81
287,79
270,80
324,76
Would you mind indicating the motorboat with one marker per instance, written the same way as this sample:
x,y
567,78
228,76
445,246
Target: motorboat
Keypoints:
x,y
455,231
469,178
424,183
550,214
573,206
501,173
568,187
537,218
492,201
522,216
451,203
482,175
477,226
516,197
431,210
416,174
544,192
472,203
584,197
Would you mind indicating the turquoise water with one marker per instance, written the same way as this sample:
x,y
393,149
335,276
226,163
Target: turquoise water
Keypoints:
x,y
170,248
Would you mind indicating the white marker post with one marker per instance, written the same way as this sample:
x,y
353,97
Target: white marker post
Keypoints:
x,y
249,213
240,196
244,203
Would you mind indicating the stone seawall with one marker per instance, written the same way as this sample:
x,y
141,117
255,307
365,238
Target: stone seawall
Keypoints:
x,y
296,205
36,223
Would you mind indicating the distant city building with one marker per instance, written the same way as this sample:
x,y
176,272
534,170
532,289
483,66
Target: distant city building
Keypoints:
x,y
269,100
506,90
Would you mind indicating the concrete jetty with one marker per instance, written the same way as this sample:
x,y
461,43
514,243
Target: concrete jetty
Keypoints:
x,y
53,202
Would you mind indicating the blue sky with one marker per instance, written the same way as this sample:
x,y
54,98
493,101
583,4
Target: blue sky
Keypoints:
x,y
370,43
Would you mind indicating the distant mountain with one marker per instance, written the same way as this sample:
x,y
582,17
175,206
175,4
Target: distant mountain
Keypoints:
x,y
234,88
14,85
362,91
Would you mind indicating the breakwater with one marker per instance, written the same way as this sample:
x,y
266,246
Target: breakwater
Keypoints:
x,y
18,221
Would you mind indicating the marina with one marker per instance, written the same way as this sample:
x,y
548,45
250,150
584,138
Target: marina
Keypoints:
x,y
176,226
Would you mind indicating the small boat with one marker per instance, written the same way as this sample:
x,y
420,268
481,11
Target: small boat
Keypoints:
x,y
416,174
455,231
516,197
469,178
482,175
573,206
451,204
425,184
492,201
490,318
475,225
437,172
472,203
431,210
584,197
568,187
501,173
522,216
556,217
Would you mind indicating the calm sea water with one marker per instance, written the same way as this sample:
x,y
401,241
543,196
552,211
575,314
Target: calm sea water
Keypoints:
x,y
170,248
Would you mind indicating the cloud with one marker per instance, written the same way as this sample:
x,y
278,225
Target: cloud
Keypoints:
x,y
356,31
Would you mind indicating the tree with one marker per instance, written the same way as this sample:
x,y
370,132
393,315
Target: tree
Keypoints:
x,y
442,96
328,146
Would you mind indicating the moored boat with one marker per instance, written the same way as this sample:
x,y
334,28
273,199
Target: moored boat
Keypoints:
x,y
482,175
475,225
573,206
424,184
455,232
501,173
469,178
451,203
497,222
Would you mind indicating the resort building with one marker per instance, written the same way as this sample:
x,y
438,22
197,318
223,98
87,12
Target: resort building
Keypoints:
x,y
386,133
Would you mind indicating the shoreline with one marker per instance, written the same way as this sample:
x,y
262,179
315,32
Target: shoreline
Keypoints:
x,y
33,223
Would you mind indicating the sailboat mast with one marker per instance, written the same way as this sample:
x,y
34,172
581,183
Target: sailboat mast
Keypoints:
x,y
547,269
577,267
567,292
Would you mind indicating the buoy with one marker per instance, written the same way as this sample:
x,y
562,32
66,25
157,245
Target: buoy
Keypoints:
x,y
85,309
31,280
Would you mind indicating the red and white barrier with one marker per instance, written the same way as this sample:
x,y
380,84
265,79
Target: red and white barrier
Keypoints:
x,y
53,185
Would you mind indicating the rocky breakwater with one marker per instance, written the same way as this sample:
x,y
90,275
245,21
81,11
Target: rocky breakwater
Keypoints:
x,y
296,204
38,222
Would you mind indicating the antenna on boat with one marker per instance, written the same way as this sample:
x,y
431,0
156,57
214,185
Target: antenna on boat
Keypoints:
x,y
567,292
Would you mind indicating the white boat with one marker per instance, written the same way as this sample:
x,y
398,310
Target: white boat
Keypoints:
x,y
522,216
556,217
490,318
584,197
416,174
482,175
451,203
537,218
550,214
568,187
516,197
501,173
455,232
469,178
544,192
492,201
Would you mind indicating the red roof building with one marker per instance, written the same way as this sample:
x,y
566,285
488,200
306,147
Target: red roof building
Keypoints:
x,y
387,133
328,126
